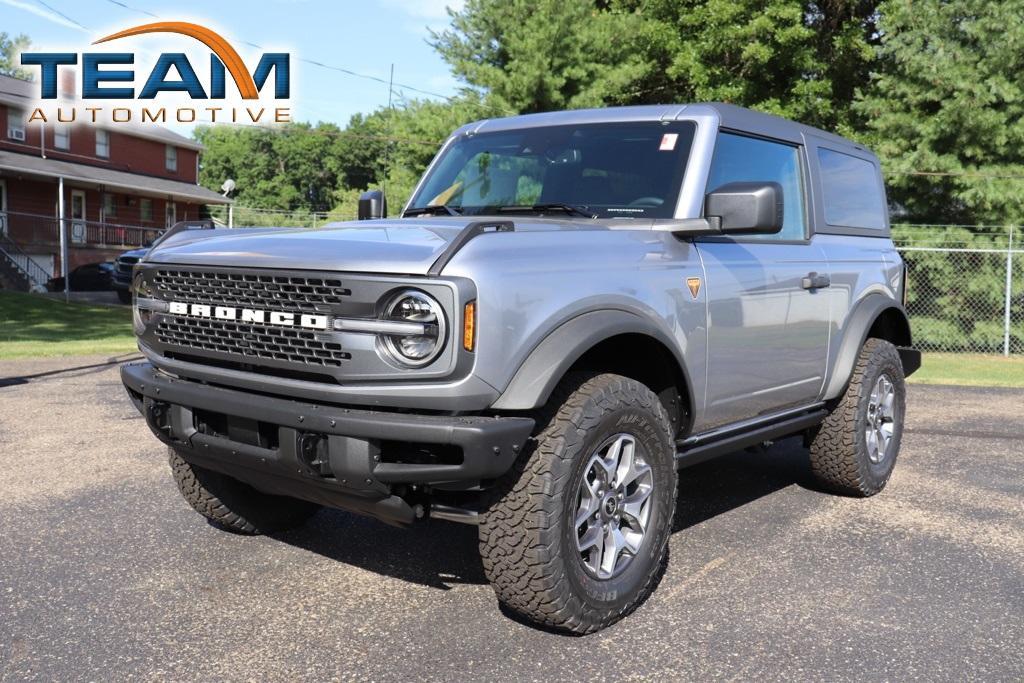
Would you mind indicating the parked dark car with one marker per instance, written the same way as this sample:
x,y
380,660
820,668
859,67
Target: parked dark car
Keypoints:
x,y
92,277
123,272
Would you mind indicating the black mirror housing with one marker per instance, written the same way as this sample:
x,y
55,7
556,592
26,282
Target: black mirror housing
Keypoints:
x,y
372,204
746,208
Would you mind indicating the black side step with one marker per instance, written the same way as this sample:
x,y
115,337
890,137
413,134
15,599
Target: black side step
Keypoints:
x,y
731,442
469,232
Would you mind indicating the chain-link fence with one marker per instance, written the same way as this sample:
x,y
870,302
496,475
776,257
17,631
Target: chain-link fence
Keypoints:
x,y
965,287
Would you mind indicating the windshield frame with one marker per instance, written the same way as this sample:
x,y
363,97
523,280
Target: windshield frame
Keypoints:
x,y
690,129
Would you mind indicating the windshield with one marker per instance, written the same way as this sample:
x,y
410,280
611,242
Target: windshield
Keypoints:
x,y
622,170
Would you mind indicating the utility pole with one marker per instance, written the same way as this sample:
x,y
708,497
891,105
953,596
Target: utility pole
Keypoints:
x,y
387,142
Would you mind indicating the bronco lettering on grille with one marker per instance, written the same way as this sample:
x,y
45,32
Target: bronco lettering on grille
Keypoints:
x,y
250,315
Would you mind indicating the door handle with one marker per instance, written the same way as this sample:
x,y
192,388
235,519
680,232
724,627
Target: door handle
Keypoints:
x,y
814,281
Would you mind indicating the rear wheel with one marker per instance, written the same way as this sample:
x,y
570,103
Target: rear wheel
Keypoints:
x,y
854,451
577,533
236,506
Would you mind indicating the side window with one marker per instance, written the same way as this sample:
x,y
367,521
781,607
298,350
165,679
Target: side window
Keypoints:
x,y
742,159
851,190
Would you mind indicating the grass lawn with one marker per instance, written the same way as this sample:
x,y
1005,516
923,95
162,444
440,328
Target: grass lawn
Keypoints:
x,y
970,370
33,326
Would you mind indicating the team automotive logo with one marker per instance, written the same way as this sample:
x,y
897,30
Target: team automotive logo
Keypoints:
x,y
124,93
249,315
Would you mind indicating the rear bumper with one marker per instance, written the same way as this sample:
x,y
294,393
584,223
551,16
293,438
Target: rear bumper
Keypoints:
x,y
323,453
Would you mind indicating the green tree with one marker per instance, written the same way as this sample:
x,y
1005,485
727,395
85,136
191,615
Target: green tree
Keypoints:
x,y
540,55
359,150
287,169
10,48
948,98
803,60
800,60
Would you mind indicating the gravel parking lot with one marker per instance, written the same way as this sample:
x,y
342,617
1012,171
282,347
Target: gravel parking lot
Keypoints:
x,y
106,574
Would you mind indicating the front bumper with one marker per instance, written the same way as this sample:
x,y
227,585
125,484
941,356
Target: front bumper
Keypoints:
x,y
330,455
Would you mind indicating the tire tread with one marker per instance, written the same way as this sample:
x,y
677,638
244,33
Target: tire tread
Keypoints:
x,y
520,536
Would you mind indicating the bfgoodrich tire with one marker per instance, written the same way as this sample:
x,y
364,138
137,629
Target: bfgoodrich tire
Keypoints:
x,y
577,533
854,451
235,506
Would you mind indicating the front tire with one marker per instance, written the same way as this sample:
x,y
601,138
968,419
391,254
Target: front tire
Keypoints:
x,y
854,450
124,296
577,532
233,505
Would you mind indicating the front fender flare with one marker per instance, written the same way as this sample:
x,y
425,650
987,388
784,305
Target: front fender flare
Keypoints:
x,y
536,378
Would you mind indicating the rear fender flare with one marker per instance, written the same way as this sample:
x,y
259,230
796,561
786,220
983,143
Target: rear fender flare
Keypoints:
x,y
855,333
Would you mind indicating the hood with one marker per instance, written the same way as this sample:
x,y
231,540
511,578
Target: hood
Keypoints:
x,y
405,246
137,253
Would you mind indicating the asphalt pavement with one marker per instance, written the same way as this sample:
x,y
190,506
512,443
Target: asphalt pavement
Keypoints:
x,y
107,574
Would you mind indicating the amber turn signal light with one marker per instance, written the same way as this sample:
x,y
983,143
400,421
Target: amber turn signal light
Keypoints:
x,y
469,326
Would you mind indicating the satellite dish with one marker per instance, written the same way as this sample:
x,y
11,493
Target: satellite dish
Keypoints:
x,y
228,187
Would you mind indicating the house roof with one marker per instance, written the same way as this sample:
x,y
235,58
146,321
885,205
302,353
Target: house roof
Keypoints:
x,y
23,94
95,175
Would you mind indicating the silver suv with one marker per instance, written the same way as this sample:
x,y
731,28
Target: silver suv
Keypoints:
x,y
572,307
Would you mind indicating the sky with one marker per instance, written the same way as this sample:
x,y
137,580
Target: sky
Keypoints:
x,y
364,37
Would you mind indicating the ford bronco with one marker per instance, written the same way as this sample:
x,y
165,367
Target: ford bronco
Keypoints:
x,y
572,307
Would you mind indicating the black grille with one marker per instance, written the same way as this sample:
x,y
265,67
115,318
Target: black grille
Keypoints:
x,y
257,342
265,290
125,263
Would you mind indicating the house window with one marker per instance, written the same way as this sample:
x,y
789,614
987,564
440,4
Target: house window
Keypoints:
x,y
171,158
16,124
103,144
61,137
109,206
145,209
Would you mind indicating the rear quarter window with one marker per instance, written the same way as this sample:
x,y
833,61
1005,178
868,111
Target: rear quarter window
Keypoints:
x,y
852,191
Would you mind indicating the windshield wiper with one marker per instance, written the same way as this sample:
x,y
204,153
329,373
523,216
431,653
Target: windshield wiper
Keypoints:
x,y
545,208
434,210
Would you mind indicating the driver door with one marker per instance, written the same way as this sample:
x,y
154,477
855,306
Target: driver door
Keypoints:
x,y
767,334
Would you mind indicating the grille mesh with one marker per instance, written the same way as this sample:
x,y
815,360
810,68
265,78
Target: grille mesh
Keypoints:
x,y
258,342
252,290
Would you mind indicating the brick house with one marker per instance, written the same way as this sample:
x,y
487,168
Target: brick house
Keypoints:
x,y
122,186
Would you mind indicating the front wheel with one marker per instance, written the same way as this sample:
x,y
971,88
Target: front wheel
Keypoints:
x,y
577,532
854,450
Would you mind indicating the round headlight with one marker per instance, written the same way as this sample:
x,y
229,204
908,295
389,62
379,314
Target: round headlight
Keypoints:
x,y
418,347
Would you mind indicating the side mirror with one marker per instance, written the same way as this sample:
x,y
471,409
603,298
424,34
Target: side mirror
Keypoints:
x,y
372,205
746,208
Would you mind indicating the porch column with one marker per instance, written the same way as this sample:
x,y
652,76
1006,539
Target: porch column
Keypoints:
x,y
61,227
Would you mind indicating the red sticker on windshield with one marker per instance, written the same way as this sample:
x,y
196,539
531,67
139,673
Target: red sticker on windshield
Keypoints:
x,y
668,142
